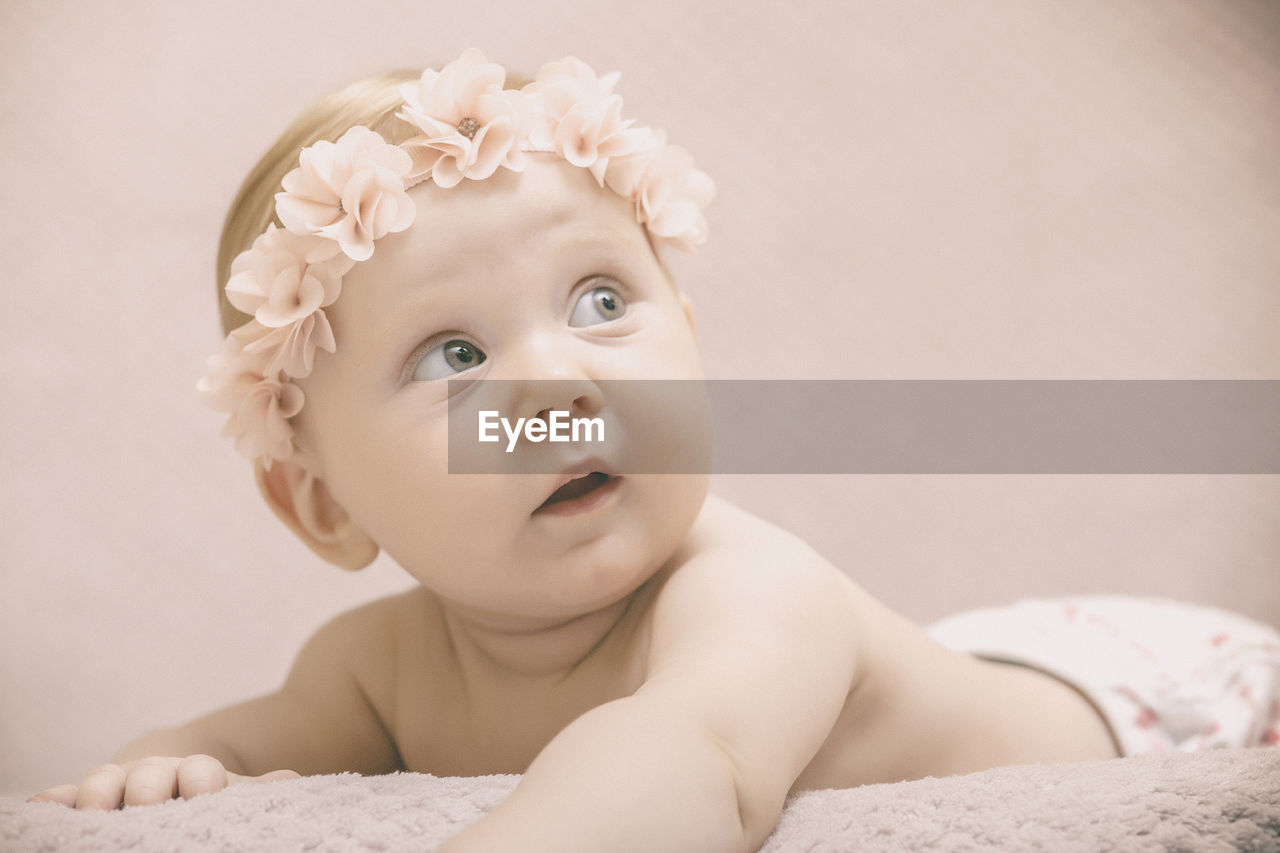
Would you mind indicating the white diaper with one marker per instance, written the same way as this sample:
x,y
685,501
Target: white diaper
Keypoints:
x,y
1165,675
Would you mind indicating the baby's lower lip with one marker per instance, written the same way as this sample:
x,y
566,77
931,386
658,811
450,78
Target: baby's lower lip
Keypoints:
x,y
582,503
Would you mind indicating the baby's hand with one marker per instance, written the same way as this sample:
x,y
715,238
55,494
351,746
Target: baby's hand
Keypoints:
x,y
150,780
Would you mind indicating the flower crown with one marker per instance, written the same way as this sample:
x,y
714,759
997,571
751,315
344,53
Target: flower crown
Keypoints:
x,y
345,195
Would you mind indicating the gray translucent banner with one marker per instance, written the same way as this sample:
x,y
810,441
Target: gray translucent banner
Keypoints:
x,y
868,426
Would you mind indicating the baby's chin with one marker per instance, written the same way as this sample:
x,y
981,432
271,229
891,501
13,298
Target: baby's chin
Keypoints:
x,y
614,566
570,567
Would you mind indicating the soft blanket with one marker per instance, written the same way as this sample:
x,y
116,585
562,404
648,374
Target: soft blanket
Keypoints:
x,y
1225,800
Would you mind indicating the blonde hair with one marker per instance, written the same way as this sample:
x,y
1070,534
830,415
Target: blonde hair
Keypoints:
x,y
371,102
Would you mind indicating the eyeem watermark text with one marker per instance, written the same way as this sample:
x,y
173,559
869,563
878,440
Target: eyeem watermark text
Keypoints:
x,y
557,427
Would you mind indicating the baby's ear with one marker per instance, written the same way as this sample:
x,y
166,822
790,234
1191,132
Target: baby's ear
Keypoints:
x,y
687,305
302,501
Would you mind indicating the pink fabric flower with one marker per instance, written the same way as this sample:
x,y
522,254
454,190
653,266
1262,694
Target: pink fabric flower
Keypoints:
x,y
578,116
292,348
259,402
260,424
229,369
351,191
624,172
670,196
470,125
286,293
275,282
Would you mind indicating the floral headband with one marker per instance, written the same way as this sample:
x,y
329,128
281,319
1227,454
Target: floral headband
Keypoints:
x,y
344,195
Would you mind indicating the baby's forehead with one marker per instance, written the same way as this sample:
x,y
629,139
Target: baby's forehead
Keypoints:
x,y
481,242
547,194
541,215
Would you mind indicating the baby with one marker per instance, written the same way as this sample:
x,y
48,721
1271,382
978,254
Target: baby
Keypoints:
x,y
662,667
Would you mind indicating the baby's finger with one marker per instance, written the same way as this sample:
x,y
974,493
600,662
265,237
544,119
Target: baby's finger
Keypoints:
x,y
200,774
149,783
273,776
63,794
102,789
169,761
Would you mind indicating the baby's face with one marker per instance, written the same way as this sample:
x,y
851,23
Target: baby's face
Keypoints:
x,y
533,275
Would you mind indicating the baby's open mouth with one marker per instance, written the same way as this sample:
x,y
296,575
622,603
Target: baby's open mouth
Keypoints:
x,y
577,488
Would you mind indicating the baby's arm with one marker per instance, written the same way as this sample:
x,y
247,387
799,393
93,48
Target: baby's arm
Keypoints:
x,y
753,655
321,720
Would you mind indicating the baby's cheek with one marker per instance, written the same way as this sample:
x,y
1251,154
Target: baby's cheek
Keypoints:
x,y
431,518
386,492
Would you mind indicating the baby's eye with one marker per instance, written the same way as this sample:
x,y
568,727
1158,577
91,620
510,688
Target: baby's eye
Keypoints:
x,y
598,305
448,359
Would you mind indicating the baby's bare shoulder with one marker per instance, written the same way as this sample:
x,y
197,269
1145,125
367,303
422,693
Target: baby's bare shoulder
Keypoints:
x,y
742,575
371,640
379,621
730,547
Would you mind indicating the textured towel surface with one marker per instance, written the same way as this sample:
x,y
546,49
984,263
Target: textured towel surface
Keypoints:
x,y
1224,800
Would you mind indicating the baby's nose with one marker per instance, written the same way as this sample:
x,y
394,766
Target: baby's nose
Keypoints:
x,y
545,357
539,397
550,373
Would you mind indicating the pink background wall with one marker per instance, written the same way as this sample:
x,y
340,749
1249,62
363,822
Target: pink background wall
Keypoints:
x,y
992,189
